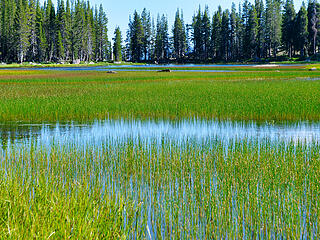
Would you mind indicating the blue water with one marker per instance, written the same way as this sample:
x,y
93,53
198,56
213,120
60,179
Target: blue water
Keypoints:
x,y
156,131
142,67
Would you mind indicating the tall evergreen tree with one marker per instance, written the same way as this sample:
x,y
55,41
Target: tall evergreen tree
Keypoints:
x,y
288,27
162,38
136,38
33,50
117,45
23,30
9,29
198,40
225,35
206,31
302,31
312,26
251,37
234,33
40,32
216,39
147,35
259,6
179,36
67,33
101,35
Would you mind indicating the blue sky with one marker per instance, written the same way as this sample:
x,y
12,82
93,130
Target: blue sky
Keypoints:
x,y
118,11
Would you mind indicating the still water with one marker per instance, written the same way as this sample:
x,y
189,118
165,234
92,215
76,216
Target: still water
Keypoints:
x,y
98,132
149,68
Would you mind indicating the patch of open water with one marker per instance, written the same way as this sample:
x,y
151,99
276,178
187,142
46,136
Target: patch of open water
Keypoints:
x,y
152,131
137,68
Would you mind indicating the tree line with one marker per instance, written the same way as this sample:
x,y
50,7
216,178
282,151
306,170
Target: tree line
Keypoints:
x,y
74,31
33,32
269,29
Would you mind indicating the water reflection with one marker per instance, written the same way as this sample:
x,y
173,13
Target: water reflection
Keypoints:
x,y
157,131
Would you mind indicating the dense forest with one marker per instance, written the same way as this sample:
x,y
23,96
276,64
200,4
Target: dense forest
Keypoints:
x,y
74,31
253,31
67,32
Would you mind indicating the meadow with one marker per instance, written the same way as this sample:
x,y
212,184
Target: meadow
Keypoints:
x,y
284,94
139,188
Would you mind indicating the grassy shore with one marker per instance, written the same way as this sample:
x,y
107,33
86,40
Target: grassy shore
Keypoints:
x,y
38,96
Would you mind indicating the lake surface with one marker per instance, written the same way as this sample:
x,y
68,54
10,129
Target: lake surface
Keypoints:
x,y
198,131
138,68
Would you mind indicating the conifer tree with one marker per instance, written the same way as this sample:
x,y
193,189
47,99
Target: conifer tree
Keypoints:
x,y
259,6
198,40
234,33
216,40
288,27
206,31
302,31
136,38
225,35
251,37
9,30
23,30
147,34
117,45
33,51
179,36
40,32
312,26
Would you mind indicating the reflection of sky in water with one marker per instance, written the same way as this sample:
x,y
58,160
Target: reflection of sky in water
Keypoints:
x,y
158,131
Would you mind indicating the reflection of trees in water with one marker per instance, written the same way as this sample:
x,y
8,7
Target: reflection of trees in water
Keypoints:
x,y
17,133
14,133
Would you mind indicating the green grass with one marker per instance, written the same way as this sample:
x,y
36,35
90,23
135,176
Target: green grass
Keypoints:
x,y
246,190
37,96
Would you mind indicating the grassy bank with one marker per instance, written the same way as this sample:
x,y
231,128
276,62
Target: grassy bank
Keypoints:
x,y
37,96
247,190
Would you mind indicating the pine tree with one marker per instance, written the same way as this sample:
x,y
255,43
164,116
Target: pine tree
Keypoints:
x,y
206,31
288,27
259,6
216,39
318,26
312,26
23,30
276,23
89,38
251,37
9,30
117,45
61,19
40,33
234,33
50,30
179,37
225,35
67,37
32,26
146,24
198,40
136,38
302,31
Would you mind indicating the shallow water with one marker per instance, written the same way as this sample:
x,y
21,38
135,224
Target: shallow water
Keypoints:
x,y
158,131
112,68
138,68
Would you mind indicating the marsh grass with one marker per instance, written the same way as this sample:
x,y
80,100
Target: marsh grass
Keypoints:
x,y
81,96
133,189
